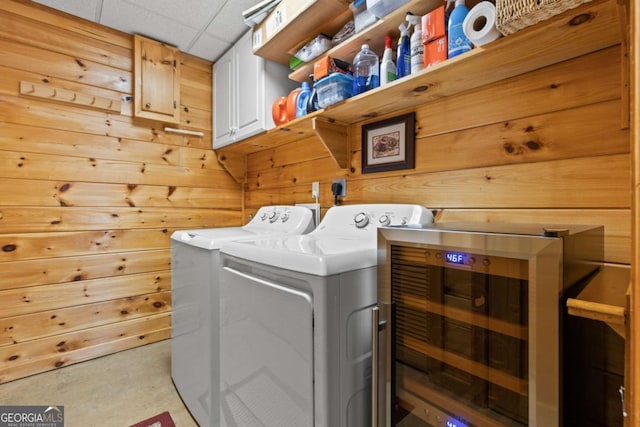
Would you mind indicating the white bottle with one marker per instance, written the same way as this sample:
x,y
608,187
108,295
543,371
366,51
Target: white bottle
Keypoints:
x,y
387,66
417,48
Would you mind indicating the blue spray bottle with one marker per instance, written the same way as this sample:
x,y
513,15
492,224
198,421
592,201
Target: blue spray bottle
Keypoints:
x,y
458,42
403,66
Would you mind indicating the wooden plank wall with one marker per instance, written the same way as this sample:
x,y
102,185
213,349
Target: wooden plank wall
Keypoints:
x,y
88,198
547,146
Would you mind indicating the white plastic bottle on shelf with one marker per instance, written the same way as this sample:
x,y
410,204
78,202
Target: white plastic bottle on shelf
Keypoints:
x,y
366,70
417,48
387,66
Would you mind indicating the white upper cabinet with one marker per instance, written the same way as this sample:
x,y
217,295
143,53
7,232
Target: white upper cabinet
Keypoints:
x,y
244,88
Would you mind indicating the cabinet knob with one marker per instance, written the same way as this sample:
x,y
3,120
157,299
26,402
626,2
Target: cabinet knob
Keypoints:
x,y
147,105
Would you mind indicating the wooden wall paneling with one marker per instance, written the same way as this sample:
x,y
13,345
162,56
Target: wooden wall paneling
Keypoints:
x,y
303,172
44,15
62,40
633,344
616,223
15,137
558,87
25,57
46,271
20,192
75,243
19,329
306,150
23,219
43,166
41,355
49,297
570,133
191,117
197,97
91,198
573,183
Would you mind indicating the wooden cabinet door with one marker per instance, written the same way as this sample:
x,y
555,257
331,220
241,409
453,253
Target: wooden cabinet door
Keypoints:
x,y
157,80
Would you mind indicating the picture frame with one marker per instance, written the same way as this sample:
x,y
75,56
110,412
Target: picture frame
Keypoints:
x,y
389,144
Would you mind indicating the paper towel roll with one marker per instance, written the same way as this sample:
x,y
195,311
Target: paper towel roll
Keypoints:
x,y
480,24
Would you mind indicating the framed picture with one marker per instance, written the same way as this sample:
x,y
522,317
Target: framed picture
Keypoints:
x,y
389,144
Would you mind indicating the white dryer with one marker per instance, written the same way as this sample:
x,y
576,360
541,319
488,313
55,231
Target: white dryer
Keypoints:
x,y
195,266
295,338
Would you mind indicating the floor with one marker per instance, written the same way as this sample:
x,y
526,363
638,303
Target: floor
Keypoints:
x,y
112,391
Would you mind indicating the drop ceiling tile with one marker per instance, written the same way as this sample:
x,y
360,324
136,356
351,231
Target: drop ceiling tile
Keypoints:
x,y
86,9
209,47
129,18
192,13
228,25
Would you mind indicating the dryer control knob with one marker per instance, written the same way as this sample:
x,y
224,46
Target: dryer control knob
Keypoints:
x,y
263,216
361,219
385,220
284,217
273,216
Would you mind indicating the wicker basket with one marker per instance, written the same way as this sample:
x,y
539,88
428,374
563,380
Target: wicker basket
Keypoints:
x,y
514,15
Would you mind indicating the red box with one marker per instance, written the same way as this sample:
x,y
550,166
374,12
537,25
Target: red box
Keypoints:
x,y
433,25
435,51
328,65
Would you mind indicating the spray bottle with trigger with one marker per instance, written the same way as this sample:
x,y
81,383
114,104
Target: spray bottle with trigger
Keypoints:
x,y
403,65
417,48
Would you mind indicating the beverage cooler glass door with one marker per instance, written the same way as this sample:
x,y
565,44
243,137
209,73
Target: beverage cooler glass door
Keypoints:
x,y
463,331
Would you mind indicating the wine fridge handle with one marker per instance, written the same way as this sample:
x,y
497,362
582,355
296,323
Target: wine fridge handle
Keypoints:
x,y
376,327
375,319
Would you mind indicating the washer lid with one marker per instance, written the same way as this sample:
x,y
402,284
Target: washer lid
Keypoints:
x,y
268,221
308,254
212,238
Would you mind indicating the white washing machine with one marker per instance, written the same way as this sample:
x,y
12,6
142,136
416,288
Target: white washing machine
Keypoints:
x,y
295,338
195,266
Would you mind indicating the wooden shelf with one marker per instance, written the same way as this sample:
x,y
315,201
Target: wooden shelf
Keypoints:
x,y
302,23
604,298
477,369
412,390
372,35
479,320
588,28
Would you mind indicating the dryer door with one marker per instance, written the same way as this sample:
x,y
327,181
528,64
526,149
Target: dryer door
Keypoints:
x,y
266,353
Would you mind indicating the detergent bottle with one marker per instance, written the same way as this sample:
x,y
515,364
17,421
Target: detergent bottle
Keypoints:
x,y
387,66
416,46
303,99
458,41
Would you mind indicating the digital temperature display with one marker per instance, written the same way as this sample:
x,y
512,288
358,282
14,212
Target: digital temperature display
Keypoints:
x,y
455,257
451,422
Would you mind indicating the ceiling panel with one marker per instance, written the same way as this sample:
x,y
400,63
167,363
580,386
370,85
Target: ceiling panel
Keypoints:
x,y
204,28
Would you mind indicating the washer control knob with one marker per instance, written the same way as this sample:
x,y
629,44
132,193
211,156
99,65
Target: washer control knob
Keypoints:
x,y
284,217
361,219
273,216
404,221
263,216
385,220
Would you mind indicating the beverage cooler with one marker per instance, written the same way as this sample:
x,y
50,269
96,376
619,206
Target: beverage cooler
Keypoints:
x,y
467,330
